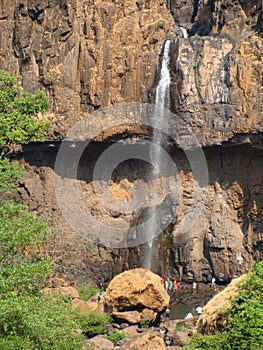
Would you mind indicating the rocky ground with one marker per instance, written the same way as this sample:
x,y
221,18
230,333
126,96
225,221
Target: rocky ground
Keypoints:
x,y
138,304
174,333
142,311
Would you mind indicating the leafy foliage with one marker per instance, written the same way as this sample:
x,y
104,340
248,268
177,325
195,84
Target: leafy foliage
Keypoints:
x,y
145,324
22,269
94,323
30,320
115,337
10,172
37,322
86,291
245,323
17,124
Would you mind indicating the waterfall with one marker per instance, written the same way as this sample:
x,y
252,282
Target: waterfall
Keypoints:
x,y
184,32
162,104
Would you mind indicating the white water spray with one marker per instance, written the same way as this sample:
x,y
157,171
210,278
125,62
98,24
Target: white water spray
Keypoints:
x,y
162,104
184,32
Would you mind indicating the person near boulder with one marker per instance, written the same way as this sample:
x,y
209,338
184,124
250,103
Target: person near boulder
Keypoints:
x,y
166,285
199,310
100,296
213,284
171,286
194,287
175,288
189,315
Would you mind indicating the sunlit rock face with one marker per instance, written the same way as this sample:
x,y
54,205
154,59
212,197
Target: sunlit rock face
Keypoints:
x,y
87,55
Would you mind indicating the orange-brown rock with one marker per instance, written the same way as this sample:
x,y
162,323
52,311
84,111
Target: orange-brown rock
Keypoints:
x,y
69,291
99,342
61,286
84,306
147,341
84,54
135,295
215,312
127,316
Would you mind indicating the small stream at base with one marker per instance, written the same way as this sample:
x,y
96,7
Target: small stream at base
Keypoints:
x,y
179,311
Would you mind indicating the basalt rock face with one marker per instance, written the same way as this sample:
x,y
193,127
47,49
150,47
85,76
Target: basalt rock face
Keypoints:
x,y
88,55
85,54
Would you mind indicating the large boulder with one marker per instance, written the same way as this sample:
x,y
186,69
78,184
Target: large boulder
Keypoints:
x,y
134,296
215,313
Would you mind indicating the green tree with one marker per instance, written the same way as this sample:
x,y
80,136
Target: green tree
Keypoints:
x,y
29,320
18,114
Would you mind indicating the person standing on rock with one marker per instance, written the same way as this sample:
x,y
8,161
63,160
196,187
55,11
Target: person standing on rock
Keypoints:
x,y
213,284
194,287
175,286
166,285
199,311
171,286
167,313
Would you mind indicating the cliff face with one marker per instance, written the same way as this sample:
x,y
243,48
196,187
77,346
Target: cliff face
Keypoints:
x,y
88,55
85,54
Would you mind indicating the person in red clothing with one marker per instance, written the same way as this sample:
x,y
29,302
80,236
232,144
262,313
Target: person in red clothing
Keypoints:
x,y
175,286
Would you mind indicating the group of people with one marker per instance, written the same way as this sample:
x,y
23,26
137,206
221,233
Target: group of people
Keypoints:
x,y
198,310
171,285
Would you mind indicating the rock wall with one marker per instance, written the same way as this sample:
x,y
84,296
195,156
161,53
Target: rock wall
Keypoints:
x,y
85,54
222,242
90,54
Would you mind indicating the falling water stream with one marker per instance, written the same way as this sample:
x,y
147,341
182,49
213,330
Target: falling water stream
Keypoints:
x,y
162,104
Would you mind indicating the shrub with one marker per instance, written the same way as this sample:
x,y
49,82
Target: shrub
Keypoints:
x,y
94,323
145,324
115,337
37,322
86,291
245,323
17,114
161,24
10,172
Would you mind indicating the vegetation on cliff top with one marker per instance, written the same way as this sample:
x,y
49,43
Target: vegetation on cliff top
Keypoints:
x,y
18,114
244,328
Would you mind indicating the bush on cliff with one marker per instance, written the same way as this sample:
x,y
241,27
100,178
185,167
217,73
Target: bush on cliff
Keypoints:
x,y
19,114
245,322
